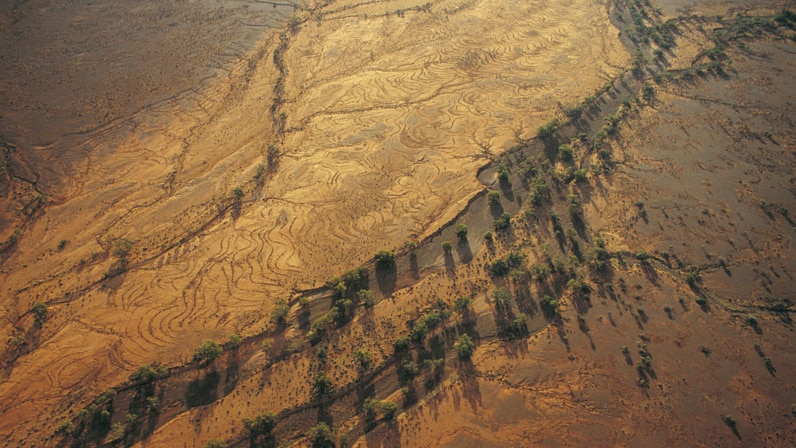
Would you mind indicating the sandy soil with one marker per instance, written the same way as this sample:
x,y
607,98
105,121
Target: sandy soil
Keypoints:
x,y
383,114
380,143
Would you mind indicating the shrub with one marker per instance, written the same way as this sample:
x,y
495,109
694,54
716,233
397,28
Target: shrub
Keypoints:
x,y
238,192
447,246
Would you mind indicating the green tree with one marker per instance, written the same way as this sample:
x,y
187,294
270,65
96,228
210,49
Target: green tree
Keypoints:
x,y
363,359
261,424
447,246
461,231
39,310
385,259
321,385
462,304
216,443
321,436
565,153
464,347
280,312
207,351
234,341
366,297
388,409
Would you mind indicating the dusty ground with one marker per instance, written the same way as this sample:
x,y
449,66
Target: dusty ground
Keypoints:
x,y
383,113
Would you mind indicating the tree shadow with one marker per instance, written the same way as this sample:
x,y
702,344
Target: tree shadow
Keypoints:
x,y
464,251
202,391
386,277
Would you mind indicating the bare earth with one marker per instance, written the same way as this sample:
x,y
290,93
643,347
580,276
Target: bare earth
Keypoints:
x,y
127,128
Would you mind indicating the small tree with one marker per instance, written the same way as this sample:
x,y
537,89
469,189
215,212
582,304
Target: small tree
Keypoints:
x,y
366,297
565,153
238,192
388,409
461,231
385,259
122,247
216,443
447,246
363,359
261,424
207,351
39,310
464,347
321,384
321,436
234,341
493,197
280,312
462,304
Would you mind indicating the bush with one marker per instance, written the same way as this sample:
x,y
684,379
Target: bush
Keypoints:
x,y
208,351
238,192
464,347
447,247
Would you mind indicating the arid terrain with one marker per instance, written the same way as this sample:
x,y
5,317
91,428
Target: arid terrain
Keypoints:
x,y
453,223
